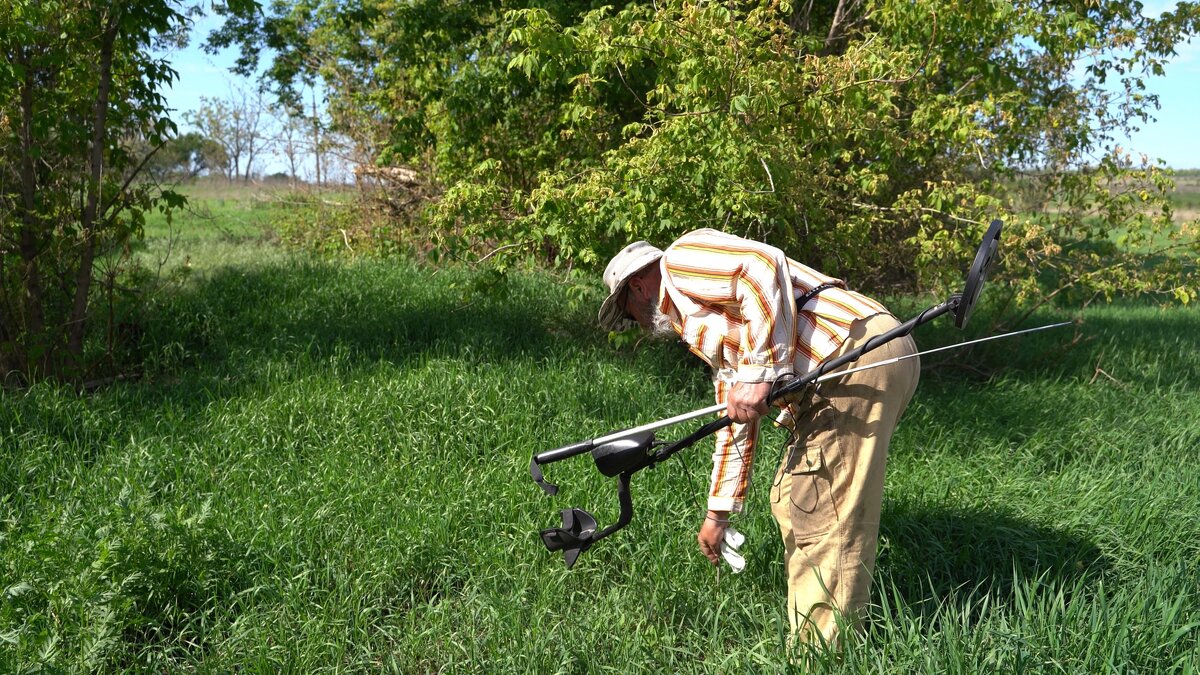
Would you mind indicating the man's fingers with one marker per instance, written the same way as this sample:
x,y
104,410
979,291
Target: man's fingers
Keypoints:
x,y
740,411
710,541
744,414
748,402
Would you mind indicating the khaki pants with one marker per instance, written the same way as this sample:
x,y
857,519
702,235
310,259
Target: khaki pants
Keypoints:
x,y
827,493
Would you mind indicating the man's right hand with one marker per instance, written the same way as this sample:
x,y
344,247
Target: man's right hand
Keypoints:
x,y
747,401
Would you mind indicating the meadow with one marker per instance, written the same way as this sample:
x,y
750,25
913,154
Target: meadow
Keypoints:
x,y
323,467
1185,198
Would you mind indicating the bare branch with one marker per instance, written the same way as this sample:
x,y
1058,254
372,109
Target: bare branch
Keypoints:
x,y
924,209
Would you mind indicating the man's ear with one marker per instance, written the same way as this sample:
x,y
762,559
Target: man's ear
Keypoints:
x,y
635,284
640,285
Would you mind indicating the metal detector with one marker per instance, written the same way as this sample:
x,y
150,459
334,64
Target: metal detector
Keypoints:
x,y
623,453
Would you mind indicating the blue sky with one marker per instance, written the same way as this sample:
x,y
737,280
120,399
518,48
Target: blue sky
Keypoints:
x,y
1174,136
200,74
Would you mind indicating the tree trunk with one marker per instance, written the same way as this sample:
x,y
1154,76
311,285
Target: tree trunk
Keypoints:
x,y
316,122
799,20
291,155
235,159
9,359
835,27
83,279
34,320
249,159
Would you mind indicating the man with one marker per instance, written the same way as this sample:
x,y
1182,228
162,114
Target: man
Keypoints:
x,y
755,316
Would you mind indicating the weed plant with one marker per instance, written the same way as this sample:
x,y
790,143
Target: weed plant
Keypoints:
x,y
324,468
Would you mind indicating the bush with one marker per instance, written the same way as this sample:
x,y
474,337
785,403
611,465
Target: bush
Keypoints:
x,y
874,140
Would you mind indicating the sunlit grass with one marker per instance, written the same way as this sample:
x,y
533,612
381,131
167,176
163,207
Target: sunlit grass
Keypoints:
x,y
325,468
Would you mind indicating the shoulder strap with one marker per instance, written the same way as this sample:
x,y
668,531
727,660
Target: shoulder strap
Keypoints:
x,y
812,293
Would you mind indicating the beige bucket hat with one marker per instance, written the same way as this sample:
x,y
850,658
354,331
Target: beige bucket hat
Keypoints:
x,y
631,260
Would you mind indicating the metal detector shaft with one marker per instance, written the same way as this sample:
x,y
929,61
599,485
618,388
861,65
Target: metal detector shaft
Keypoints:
x,y
903,329
712,410
586,446
719,407
812,376
957,345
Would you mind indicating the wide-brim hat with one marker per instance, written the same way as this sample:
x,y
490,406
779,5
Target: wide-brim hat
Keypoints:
x,y
631,260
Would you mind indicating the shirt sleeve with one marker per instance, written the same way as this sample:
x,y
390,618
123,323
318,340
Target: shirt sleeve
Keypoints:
x,y
733,460
748,282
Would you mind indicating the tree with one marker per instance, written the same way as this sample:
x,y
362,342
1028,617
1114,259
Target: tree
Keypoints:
x,y
288,138
182,157
317,126
235,123
873,138
76,80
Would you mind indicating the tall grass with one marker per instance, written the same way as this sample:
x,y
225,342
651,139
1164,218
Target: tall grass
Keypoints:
x,y
324,468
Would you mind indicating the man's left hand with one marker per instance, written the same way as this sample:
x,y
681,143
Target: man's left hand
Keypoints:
x,y
747,401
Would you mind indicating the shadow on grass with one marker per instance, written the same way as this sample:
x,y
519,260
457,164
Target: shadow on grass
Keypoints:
x,y
1039,400
937,559
301,316
377,312
364,312
1135,341
931,555
243,330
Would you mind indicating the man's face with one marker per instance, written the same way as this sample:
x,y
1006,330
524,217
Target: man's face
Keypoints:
x,y
640,301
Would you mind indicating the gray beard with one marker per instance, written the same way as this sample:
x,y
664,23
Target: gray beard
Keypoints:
x,y
660,326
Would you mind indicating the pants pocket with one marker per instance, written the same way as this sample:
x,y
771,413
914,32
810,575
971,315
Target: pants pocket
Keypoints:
x,y
812,509
801,494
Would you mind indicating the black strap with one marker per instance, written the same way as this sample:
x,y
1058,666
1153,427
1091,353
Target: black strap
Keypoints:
x,y
812,293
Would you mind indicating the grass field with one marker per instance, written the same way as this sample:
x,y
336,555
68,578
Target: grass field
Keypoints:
x,y
325,469
1186,197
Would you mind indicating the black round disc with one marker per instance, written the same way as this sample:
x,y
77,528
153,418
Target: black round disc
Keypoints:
x,y
984,258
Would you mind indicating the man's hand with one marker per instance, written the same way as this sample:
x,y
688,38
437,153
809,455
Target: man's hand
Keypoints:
x,y
747,401
712,533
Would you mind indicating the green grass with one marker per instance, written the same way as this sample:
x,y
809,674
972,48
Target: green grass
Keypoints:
x,y
325,468
1186,195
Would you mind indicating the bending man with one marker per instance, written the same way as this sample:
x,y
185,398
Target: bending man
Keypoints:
x,y
754,316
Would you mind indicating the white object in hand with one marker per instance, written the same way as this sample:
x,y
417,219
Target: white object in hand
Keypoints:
x,y
733,541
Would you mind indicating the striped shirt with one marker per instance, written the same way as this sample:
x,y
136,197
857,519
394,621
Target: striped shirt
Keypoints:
x,y
733,301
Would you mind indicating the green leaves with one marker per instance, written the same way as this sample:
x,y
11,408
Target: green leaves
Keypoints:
x,y
873,141
79,111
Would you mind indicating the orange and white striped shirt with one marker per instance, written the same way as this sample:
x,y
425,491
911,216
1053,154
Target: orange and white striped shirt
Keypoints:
x,y
733,301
